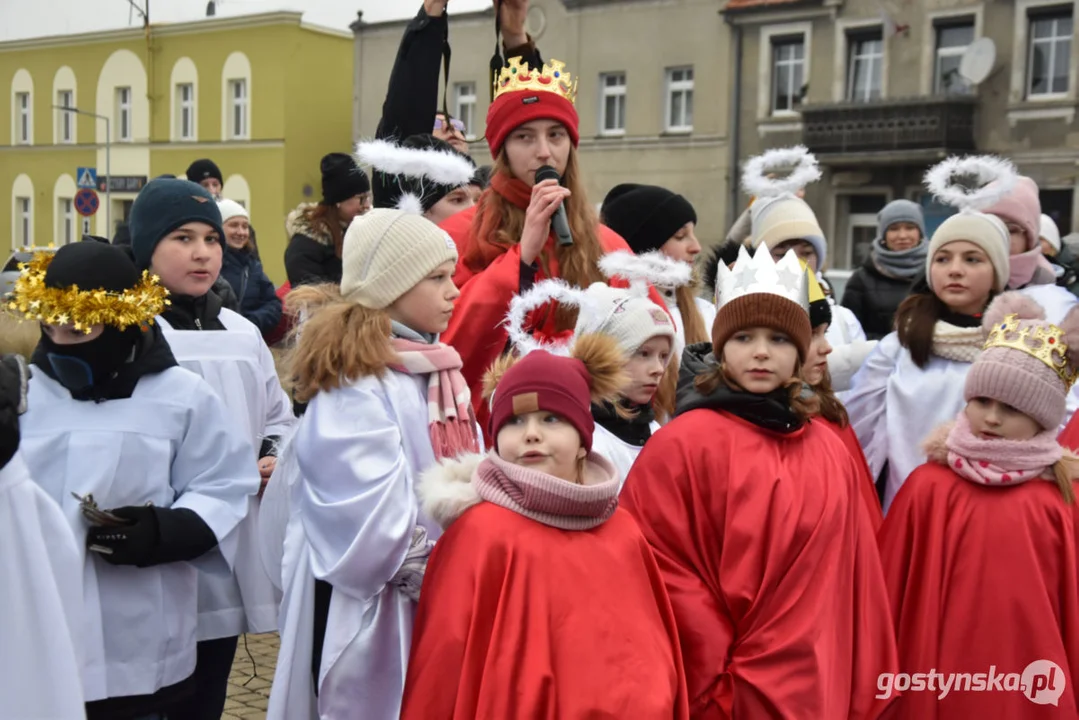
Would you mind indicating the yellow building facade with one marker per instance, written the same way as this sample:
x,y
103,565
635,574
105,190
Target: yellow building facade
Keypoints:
x,y
263,96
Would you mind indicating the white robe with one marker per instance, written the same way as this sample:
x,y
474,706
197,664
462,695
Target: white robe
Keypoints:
x,y
41,609
849,346
894,405
238,366
621,454
360,450
169,444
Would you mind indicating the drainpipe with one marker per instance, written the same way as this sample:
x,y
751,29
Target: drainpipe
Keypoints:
x,y
735,135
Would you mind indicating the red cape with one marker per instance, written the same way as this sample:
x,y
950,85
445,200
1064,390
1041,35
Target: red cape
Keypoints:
x,y
521,620
867,488
771,566
476,328
1069,436
981,577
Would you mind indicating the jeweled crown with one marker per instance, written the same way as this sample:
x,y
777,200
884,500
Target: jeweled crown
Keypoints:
x,y
1043,342
552,78
758,273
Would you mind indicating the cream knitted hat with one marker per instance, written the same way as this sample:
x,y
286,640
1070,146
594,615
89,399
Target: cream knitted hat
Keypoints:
x,y
629,317
386,252
988,232
776,220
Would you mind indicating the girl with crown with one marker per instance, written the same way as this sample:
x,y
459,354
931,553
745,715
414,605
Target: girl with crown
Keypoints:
x,y
141,459
979,547
754,515
506,241
386,402
913,381
532,529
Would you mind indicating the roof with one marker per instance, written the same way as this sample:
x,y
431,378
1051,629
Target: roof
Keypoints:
x,y
739,5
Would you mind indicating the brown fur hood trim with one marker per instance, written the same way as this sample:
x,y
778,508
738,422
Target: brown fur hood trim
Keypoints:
x,y
935,444
446,489
297,224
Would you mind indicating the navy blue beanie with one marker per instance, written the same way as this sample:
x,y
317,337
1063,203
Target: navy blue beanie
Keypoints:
x,y
164,205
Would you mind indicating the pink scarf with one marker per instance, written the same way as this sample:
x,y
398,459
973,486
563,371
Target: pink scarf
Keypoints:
x,y
449,404
1001,462
1030,268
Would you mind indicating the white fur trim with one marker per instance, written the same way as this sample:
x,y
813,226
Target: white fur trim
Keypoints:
x,y
409,203
445,489
986,169
650,268
804,170
539,295
440,166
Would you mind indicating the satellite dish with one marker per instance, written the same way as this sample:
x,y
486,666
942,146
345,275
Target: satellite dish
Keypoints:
x,y
978,59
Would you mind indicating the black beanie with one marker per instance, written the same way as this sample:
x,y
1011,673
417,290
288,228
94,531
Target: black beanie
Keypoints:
x,y
646,216
202,169
164,205
92,266
388,189
342,178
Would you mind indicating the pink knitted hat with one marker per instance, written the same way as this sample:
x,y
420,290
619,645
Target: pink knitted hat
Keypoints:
x,y
1023,207
1016,377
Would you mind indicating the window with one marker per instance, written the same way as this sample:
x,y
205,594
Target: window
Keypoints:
x,y
952,41
1050,52
65,214
65,131
464,106
185,108
679,99
865,65
22,207
612,107
123,114
22,120
788,74
238,109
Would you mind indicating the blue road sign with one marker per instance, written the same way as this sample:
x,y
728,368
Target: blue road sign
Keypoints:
x,y
86,177
86,202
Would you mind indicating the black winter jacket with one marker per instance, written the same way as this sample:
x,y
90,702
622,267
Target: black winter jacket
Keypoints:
x,y
258,300
310,257
873,298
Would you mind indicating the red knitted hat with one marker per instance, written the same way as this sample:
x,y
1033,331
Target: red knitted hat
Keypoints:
x,y
542,381
524,94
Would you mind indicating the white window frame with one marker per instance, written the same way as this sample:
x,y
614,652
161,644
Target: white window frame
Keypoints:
x,y
774,44
1054,42
464,107
65,221
940,53
1021,59
683,86
185,111
124,131
238,110
24,218
617,91
65,121
770,33
857,36
929,27
844,30
24,118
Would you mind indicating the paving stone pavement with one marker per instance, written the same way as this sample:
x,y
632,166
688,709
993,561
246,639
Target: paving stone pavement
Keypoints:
x,y
249,683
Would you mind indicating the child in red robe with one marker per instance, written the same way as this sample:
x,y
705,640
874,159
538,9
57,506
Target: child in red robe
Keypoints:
x,y
542,599
980,545
755,516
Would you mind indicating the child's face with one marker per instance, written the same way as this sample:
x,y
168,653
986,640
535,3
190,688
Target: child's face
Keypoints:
x,y
68,335
645,369
802,248
188,259
993,420
541,441
817,358
962,277
427,307
683,245
760,359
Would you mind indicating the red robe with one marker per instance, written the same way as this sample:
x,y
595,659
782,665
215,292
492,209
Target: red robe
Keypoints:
x,y
771,566
867,488
1069,436
980,577
518,619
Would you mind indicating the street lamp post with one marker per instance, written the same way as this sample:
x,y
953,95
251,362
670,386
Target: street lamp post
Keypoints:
x,y
108,161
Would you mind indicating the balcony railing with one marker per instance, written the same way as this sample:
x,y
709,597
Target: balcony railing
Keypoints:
x,y
943,123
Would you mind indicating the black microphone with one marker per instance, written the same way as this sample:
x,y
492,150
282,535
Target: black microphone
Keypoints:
x,y
558,221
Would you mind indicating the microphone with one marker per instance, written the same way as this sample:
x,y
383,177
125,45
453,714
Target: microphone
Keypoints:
x,y
558,221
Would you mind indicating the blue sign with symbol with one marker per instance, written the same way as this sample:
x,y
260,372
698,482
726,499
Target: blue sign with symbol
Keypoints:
x,y
86,177
86,202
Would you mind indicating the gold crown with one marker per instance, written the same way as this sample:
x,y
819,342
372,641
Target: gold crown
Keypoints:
x,y
1046,344
552,78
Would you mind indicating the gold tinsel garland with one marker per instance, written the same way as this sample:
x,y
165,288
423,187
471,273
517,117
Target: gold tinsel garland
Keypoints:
x,y
84,308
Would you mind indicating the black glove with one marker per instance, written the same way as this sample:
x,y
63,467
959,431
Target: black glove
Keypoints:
x,y
14,376
156,536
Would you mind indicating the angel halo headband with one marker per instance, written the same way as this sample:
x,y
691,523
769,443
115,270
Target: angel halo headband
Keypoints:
x,y
758,176
993,178
439,167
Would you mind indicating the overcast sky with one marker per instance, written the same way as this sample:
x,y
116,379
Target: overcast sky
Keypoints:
x,y
21,19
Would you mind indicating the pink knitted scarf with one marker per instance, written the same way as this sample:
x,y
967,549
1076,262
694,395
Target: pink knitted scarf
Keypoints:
x,y
1001,462
449,404
546,498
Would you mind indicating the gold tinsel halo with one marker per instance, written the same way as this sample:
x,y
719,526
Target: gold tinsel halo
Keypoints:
x,y
32,299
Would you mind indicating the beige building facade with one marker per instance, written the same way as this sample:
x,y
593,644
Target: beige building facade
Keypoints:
x,y
653,94
873,89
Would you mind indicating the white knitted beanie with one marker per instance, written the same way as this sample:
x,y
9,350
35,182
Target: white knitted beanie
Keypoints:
x,y
623,314
230,209
387,252
1049,232
985,231
776,220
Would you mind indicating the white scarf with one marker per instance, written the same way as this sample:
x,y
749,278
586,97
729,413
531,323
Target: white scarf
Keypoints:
x,y
960,344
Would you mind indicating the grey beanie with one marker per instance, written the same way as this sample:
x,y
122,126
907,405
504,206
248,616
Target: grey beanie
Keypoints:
x,y
899,211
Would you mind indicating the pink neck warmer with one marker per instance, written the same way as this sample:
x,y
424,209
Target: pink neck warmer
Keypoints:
x,y
548,499
1029,268
1001,462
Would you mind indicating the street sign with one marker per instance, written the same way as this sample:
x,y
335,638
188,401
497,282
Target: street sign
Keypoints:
x,y
87,177
121,183
86,202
